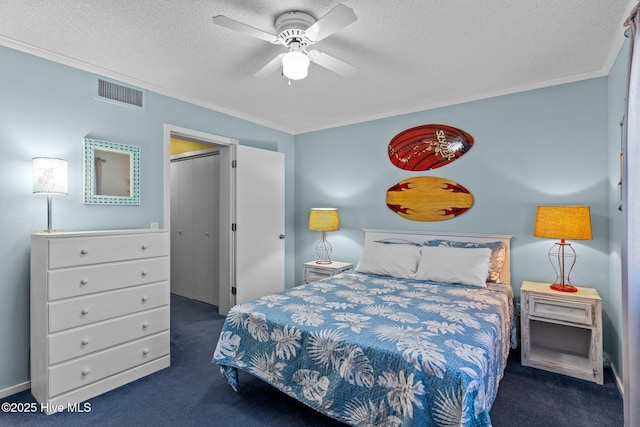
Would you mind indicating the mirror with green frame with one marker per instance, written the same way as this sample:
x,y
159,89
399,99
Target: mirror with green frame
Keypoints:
x,y
111,173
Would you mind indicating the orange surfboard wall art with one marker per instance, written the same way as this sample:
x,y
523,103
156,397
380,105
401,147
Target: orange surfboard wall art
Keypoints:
x,y
429,146
428,198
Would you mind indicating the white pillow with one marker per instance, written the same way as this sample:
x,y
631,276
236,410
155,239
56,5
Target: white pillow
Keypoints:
x,y
388,259
467,266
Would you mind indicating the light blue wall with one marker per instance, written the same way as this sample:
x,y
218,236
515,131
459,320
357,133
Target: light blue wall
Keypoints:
x,y
549,146
617,80
541,147
46,109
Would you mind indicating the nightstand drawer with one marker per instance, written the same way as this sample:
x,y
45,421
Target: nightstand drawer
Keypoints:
x,y
549,308
314,271
315,275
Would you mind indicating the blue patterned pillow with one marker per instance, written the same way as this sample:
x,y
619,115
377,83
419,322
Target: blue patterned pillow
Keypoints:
x,y
496,261
398,242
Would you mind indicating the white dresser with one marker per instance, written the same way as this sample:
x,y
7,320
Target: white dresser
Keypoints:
x,y
99,312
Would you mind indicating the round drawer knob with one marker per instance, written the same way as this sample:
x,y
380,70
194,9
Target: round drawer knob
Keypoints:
x,y
145,325
84,311
145,247
145,298
84,281
145,351
85,341
84,251
144,273
85,372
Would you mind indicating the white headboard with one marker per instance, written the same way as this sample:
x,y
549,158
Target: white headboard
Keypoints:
x,y
371,235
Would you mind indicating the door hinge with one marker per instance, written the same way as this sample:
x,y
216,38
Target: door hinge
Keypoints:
x,y
233,290
234,164
233,227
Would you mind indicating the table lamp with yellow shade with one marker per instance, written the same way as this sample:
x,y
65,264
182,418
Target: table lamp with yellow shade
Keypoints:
x,y
323,220
564,223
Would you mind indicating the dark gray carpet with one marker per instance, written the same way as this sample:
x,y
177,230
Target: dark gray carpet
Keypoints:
x,y
192,393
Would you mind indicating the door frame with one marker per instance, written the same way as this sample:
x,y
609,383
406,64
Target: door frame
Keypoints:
x,y
228,150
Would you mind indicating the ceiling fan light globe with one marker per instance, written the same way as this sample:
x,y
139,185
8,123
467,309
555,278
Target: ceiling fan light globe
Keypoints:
x,y
295,65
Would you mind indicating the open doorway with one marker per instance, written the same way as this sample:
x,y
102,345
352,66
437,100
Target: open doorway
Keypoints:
x,y
251,216
224,151
195,221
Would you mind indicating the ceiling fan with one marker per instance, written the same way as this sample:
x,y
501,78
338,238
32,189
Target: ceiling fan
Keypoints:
x,y
297,31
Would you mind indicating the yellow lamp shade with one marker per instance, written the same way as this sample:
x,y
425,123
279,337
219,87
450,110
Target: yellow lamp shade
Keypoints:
x,y
563,222
324,219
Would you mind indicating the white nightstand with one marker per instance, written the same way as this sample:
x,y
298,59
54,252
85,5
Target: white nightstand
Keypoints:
x,y
562,331
314,271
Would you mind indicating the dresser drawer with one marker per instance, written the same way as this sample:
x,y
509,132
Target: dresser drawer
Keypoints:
x,y
99,336
568,311
71,282
94,308
86,370
73,251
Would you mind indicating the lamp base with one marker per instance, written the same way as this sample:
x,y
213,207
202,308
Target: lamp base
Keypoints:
x,y
323,250
563,288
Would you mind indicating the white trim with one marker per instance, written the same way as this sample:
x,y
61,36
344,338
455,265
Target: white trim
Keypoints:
x,y
75,63
463,100
15,389
370,231
126,79
618,379
227,152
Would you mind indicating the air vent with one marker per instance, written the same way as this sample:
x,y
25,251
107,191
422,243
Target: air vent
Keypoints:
x,y
111,91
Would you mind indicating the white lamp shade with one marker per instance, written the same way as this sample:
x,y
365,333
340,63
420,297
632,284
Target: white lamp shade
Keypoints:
x,y
295,65
50,176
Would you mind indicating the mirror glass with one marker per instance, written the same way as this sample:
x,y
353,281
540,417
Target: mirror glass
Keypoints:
x,y
111,173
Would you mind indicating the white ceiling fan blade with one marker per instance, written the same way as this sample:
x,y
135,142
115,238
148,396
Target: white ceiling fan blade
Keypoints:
x,y
337,18
273,65
332,64
226,22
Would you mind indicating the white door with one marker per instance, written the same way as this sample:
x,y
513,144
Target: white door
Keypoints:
x,y
182,229
259,236
195,228
206,228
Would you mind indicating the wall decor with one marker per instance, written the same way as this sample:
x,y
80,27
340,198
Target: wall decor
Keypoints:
x,y
428,198
111,173
428,146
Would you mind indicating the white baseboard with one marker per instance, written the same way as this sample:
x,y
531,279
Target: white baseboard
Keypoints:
x,y
619,382
15,389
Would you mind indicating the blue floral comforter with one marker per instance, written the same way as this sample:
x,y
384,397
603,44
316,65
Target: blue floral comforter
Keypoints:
x,y
375,350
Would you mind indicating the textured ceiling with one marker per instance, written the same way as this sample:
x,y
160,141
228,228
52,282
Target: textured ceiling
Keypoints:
x,y
411,55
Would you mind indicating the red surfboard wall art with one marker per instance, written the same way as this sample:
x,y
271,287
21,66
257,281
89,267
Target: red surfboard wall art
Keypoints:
x,y
427,147
428,198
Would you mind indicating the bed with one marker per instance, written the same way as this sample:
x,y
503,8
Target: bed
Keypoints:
x,y
418,334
